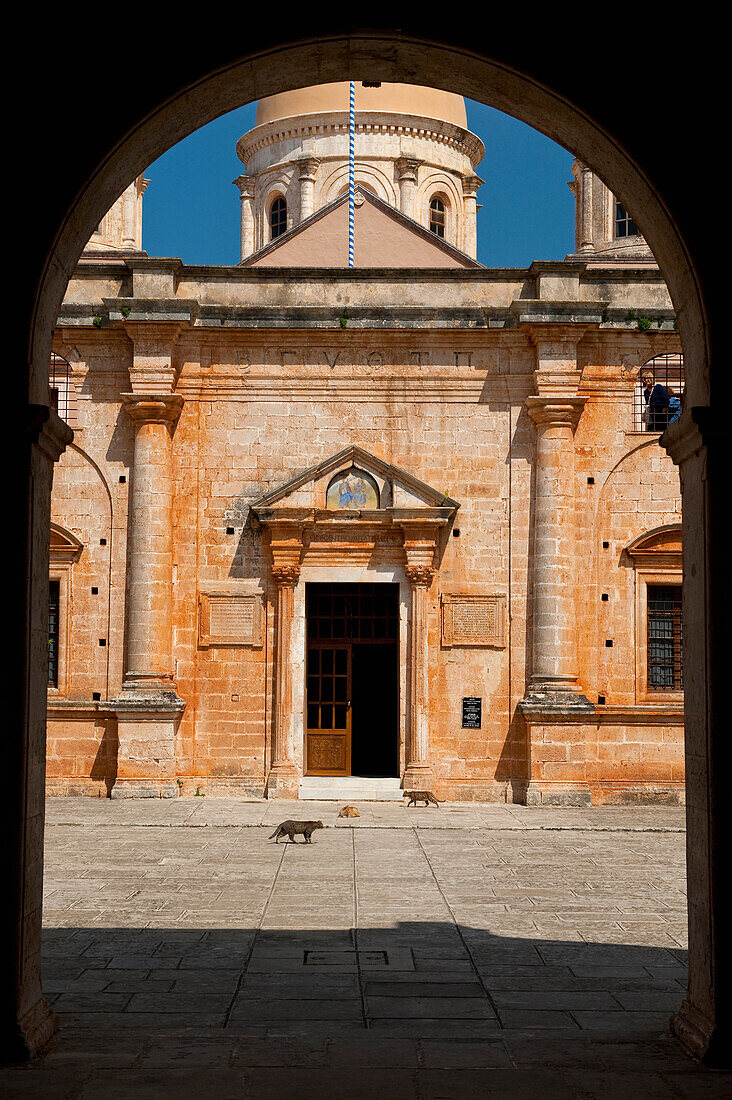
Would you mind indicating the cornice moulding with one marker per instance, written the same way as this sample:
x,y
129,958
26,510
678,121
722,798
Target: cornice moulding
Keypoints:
x,y
299,126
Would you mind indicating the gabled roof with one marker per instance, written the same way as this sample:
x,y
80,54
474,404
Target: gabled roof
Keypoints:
x,y
358,457
384,237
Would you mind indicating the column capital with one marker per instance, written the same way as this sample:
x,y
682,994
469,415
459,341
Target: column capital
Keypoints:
x,y
151,408
285,542
153,370
307,167
420,576
285,575
420,552
245,185
407,167
555,412
556,341
47,431
470,185
688,435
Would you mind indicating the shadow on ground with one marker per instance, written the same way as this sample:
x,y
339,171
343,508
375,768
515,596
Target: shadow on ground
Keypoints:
x,y
419,1009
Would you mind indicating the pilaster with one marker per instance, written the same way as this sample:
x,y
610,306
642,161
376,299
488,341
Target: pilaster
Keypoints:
x,y
286,546
420,552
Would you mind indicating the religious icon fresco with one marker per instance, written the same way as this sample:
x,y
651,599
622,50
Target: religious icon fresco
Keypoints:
x,y
354,489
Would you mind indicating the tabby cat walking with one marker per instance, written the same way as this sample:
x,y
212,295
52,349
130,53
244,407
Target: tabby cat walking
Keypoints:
x,y
290,828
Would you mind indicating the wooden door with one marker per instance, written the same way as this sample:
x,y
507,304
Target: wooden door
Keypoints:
x,y
328,736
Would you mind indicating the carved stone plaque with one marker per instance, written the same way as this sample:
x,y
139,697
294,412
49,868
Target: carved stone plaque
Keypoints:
x,y
230,619
473,621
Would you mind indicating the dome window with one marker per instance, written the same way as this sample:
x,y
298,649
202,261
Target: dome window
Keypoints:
x,y
624,224
278,218
437,217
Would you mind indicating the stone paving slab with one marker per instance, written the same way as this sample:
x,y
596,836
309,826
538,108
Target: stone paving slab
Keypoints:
x,y
204,811
465,951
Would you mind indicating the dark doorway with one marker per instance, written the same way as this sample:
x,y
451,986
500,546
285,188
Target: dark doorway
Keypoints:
x,y
352,712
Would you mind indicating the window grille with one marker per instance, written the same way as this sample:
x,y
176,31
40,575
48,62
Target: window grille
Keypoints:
x,y
437,217
62,395
278,218
54,610
624,224
659,393
665,643
352,612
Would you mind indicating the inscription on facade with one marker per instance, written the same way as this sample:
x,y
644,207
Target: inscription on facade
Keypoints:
x,y
473,620
230,620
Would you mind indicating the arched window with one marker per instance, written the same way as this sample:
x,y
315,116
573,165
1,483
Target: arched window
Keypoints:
x,y
65,550
438,217
278,218
62,394
656,559
624,224
659,393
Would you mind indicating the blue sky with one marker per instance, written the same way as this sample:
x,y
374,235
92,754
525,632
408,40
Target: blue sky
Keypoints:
x,y
191,209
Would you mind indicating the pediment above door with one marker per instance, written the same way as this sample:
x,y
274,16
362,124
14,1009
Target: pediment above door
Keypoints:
x,y
351,508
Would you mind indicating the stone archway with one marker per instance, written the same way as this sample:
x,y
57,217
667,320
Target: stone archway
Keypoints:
x,y
556,92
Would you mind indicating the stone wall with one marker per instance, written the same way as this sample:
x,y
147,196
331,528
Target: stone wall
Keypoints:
x,y
448,405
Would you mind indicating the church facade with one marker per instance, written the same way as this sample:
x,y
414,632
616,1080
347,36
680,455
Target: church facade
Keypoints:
x,y
400,525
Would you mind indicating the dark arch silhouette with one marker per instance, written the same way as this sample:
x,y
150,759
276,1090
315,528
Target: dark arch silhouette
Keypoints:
x,y
96,131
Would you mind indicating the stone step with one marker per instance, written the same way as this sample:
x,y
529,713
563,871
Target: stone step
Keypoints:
x,y
339,788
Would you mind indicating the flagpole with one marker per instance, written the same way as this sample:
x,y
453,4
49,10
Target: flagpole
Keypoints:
x,y
351,169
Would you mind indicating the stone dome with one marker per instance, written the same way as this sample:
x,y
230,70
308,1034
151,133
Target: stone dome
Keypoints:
x,y
402,99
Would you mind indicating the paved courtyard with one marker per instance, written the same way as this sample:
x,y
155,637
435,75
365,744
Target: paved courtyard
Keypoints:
x,y
454,952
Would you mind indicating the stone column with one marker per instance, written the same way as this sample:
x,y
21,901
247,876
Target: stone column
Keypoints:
x,y
149,706
554,649
470,214
28,1020
149,664
407,167
699,448
307,168
554,702
283,780
246,194
129,217
584,236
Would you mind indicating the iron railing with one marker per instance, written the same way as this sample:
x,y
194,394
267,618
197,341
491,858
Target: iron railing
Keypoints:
x,y
62,394
659,393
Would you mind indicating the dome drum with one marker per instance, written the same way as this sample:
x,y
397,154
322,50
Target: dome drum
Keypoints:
x,y
410,142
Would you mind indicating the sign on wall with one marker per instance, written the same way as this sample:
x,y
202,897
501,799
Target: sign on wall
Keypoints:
x,y
227,619
472,712
473,620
